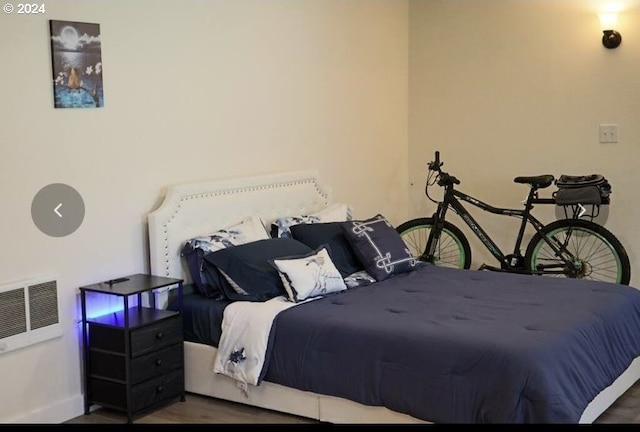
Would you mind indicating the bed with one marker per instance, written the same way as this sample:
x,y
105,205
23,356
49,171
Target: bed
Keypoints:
x,y
402,392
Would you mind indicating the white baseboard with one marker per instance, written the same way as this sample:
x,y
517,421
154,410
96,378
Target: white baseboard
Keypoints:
x,y
56,413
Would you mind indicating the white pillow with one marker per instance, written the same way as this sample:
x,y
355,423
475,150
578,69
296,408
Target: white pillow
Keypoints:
x,y
309,276
333,213
245,231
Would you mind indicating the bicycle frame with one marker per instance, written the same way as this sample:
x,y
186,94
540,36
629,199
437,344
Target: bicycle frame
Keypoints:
x,y
453,199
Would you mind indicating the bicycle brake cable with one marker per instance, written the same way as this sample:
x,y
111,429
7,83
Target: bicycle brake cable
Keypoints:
x,y
432,178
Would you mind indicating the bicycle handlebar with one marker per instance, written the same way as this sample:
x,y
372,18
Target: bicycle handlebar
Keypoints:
x,y
435,165
444,179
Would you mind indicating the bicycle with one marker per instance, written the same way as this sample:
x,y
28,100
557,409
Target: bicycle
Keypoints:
x,y
570,247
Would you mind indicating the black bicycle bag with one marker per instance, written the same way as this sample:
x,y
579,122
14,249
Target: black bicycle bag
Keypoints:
x,y
591,189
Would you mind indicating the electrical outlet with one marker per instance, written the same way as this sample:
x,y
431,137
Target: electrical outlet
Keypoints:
x,y
608,133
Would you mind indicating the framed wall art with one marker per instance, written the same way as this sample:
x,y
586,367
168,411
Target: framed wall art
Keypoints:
x,y
76,57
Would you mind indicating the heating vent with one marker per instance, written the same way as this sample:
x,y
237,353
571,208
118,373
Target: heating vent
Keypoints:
x,y
28,313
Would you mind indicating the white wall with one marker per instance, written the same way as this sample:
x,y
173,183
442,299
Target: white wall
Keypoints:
x,y
193,90
508,88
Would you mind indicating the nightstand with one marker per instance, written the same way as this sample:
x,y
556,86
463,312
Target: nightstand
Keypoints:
x,y
133,358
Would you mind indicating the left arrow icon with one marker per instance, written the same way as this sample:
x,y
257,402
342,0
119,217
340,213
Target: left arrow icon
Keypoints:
x,y
57,210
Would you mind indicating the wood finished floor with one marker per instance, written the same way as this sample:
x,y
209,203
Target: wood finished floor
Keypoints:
x,y
201,409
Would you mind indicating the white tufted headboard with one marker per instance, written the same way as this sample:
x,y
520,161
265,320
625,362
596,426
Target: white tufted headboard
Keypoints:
x,y
192,209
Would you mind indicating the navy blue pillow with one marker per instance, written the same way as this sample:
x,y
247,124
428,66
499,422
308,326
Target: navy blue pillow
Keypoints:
x,y
329,233
206,281
379,247
245,270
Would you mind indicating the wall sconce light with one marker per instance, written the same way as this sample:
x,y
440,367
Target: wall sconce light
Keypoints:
x,y
610,38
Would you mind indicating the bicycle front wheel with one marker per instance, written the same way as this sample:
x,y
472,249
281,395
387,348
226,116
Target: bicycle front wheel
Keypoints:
x,y
452,249
587,251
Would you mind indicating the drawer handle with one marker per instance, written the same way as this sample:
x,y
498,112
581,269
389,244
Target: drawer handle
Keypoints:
x,y
159,389
158,362
159,335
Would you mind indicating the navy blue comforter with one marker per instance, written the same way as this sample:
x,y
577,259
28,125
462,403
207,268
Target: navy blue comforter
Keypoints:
x,y
448,345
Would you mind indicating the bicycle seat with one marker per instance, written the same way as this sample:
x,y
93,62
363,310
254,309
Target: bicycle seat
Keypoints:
x,y
538,182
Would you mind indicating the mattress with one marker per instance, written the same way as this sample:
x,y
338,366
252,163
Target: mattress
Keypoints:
x,y
202,317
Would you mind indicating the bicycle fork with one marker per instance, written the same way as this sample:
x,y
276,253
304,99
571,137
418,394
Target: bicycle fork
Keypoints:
x,y
434,234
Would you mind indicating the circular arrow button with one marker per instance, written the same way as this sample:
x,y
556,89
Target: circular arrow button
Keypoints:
x,y
57,210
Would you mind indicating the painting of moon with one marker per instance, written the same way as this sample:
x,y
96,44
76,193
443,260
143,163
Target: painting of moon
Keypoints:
x,y
76,57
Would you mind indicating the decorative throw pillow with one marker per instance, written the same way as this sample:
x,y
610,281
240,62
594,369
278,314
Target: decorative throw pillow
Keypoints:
x,y
333,213
357,279
195,249
310,275
379,247
245,269
329,233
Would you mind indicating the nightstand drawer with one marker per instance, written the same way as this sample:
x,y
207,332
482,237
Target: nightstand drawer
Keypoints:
x,y
106,338
150,338
157,363
113,366
157,390
143,395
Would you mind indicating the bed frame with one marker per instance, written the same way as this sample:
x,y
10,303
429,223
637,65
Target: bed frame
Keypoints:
x,y
192,209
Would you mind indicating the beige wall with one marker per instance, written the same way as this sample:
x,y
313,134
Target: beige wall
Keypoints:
x,y
508,88
193,90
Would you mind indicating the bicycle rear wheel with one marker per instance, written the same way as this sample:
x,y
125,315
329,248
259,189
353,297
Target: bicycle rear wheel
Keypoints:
x,y
452,250
590,252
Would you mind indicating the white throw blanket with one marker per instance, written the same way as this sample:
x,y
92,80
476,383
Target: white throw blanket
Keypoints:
x,y
245,337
